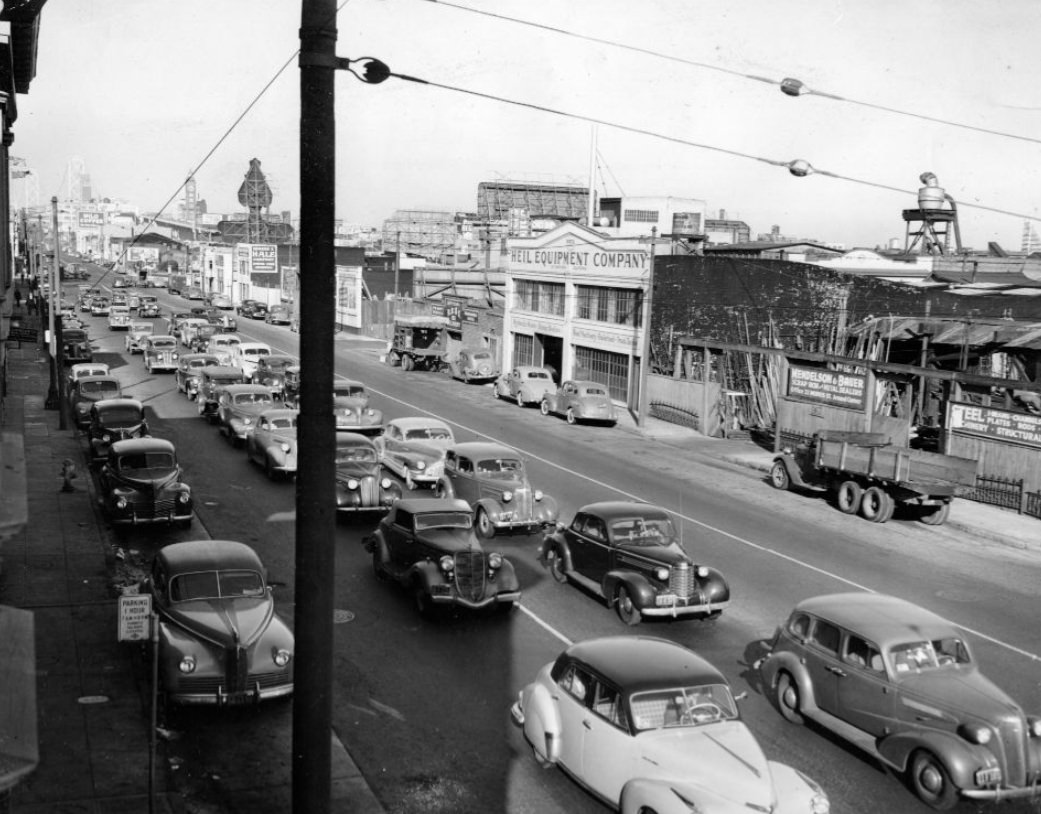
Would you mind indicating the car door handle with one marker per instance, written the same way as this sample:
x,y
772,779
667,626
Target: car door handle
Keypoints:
x,y
586,724
836,671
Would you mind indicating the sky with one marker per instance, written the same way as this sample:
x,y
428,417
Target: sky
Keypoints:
x,y
141,93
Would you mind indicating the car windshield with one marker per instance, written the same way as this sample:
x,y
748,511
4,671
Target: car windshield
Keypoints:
x,y
682,707
141,327
95,388
346,391
443,520
500,467
121,417
256,352
482,355
164,344
141,463
348,454
915,657
643,531
428,434
537,374
224,342
253,398
200,362
216,585
226,379
282,423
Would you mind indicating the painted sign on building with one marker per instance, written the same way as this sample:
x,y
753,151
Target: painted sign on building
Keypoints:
x,y
1000,425
827,386
348,296
585,257
455,310
90,218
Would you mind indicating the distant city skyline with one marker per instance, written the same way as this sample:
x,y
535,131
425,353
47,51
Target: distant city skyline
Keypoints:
x,y
142,93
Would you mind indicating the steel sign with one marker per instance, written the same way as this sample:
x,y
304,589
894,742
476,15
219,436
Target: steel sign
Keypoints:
x,y
135,611
264,258
998,425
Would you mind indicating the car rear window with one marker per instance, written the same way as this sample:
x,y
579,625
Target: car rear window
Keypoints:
x,y
122,416
99,387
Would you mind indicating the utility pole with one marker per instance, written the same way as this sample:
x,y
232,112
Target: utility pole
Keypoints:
x,y
315,488
397,263
645,355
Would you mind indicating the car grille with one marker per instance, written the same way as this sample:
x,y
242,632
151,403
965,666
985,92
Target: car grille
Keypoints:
x,y
211,685
681,580
470,574
142,506
369,489
1012,737
521,504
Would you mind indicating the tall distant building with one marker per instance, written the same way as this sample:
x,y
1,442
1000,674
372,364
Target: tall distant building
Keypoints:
x,y
1031,242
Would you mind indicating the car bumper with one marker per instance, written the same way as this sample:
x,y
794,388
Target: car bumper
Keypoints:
x,y
117,518
517,714
998,795
475,604
226,699
521,526
679,609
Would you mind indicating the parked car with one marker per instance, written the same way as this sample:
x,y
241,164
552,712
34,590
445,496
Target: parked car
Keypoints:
x,y
271,372
428,545
630,554
473,365
257,311
222,301
160,353
902,684
352,410
238,408
220,345
187,374
212,380
492,479
278,314
113,420
76,346
244,307
81,369
118,317
413,448
85,390
245,355
525,385
140,484
118,298
580,401
271,442
99,307
137,332
220,640
360,485
648,725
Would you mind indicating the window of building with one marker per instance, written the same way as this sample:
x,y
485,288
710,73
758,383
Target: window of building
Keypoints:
x,y
609,369
539,297
618,306
523,350
641,216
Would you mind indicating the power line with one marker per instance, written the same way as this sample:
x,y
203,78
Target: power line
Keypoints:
x,y
797,167
788,86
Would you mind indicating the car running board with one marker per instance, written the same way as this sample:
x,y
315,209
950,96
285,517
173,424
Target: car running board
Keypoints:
x,y
857,737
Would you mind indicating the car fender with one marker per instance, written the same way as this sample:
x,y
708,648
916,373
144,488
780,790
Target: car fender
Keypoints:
x,y
506,579
546,511
554,542
660,796
715,587
542,723
775,663
960,757
424,575
641,591
445,487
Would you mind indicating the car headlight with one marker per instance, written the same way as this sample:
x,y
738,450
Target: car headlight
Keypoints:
x,y
369,411
385,483
495,560
106,438
121,503
702,571
184,497
975,733
538,494
285,447
420,465
280,656
186,664
662,574
1034,727
352,484
247,420
447,564
507,496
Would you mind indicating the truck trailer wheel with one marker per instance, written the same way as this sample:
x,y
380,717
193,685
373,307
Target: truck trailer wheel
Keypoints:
x,y
849,496
407,362
876,505
779,478
935,515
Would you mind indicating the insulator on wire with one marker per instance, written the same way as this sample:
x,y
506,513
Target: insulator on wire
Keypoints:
x,y
793,87
800,168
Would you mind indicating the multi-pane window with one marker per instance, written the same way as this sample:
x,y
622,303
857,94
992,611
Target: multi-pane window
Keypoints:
x,y
523,350
619,306
609,369
641,216
539,297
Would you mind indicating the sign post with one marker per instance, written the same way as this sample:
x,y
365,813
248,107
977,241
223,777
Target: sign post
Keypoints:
x,y
137,623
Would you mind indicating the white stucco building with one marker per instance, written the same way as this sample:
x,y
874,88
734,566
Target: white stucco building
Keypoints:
x,y
575,302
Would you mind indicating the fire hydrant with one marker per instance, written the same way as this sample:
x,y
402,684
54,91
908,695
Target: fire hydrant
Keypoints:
x,y
68,474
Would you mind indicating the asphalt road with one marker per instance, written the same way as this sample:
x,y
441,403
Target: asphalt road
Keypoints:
x,y
423,706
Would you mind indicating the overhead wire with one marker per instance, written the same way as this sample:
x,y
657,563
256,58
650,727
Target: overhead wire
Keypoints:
x,y
790,87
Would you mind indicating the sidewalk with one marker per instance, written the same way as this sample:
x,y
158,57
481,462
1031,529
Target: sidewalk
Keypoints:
x,y
91,695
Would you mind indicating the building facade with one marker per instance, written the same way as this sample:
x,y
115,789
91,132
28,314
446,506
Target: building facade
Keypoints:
x,y
575,302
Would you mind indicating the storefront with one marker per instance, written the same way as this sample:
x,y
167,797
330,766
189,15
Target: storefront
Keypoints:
x,y
574,304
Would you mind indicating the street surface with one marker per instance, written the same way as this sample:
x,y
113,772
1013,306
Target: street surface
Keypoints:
x,y
422,706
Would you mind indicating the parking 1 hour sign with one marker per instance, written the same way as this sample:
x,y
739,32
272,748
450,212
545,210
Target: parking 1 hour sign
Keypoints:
x,y
134,615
